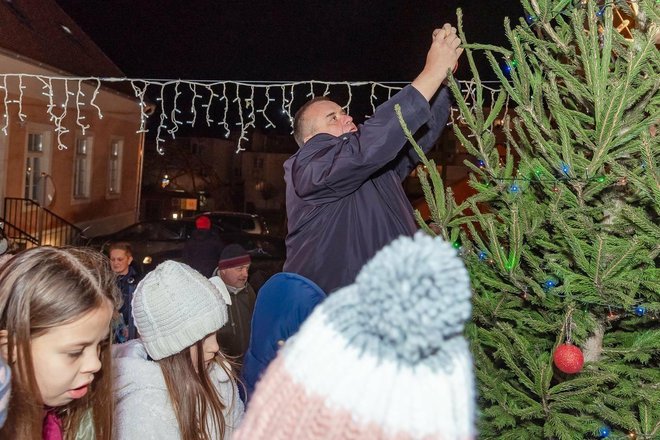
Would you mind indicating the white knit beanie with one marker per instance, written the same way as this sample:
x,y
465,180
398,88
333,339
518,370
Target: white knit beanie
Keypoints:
x,y
175,306
383,358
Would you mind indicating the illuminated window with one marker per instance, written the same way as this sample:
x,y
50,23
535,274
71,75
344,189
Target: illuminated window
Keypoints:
x,y
114,167
82,168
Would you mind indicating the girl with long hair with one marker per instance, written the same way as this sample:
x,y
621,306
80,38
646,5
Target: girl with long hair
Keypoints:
x,y
174,382
55,310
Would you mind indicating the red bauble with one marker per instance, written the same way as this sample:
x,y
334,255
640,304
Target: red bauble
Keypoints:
x,y
568,358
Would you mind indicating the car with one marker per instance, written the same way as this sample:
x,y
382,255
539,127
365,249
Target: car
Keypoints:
x,y
231,221
155,241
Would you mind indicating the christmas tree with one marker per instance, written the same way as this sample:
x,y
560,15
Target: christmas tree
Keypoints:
x,y
562,237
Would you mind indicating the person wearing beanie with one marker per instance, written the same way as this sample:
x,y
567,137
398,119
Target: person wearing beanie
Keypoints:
x,y
203,248
382,358
121,259
233,269
283,303
174,382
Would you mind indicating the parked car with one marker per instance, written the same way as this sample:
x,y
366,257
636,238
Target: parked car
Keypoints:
x,y
155,241
230,221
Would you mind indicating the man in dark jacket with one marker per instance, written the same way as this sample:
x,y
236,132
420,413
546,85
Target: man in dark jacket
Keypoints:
x,y
121,257
233,269
202,250
344,197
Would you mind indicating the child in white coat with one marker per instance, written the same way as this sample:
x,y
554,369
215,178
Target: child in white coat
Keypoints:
x,y
174,382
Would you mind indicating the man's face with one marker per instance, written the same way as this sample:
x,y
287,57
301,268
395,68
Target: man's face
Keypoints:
x,y
119,261
328,117
235,277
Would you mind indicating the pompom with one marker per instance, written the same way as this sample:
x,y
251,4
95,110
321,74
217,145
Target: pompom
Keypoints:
x,y
423,292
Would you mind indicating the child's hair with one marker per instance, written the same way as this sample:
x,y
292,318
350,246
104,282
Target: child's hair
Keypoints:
x,y
42,288
122,246
193,395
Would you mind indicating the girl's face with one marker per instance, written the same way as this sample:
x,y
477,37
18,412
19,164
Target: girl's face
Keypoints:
x,y
67,356
209,346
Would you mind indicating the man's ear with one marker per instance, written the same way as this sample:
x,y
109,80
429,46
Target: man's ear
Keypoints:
x,y
4,346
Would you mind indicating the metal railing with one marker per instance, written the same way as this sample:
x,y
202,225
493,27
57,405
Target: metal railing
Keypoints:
x,y
29,224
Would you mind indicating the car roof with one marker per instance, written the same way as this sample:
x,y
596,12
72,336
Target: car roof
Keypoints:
x,y
230,213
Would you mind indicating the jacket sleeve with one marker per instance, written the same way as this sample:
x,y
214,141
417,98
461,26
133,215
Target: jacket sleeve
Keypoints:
x,y
327,174
440,111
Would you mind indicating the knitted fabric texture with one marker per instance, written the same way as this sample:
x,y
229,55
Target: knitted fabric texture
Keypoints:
x,y
174,306
383,358
233,255
203,222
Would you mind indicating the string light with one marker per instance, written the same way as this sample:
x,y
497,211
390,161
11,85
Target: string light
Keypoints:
x,y
233,98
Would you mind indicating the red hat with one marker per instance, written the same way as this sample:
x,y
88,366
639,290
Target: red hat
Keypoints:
x,y
203,222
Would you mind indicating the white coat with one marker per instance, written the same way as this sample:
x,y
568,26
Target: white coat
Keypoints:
x,y
143,410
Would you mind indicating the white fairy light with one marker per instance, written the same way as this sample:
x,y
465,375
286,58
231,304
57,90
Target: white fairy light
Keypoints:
x,y
6,105
205,94
79,103
22,116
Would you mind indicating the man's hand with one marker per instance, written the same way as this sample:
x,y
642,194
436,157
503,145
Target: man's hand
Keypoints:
x,y
442,56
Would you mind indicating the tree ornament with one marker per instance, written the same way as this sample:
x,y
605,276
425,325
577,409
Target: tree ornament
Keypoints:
x,y
632,435
568,358
639,310
622,181
604,431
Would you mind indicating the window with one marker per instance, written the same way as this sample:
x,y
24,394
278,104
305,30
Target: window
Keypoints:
x,y
36,163
82,169
257,166
114,167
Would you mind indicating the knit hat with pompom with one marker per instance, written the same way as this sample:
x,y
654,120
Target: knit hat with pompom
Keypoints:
x,y
175,306
383,358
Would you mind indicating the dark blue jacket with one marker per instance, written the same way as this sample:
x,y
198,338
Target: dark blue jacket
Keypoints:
x,y
127,285
344,198
283,303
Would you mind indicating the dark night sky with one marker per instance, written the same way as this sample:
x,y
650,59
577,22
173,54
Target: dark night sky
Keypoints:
x,y
280,40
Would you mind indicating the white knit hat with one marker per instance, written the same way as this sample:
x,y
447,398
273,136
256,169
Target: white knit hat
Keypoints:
x,y
175,306
383,358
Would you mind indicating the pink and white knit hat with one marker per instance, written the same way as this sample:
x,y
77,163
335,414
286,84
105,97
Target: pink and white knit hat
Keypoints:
x,y
383,358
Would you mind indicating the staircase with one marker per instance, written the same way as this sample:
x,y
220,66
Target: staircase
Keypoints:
x,y
28,224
